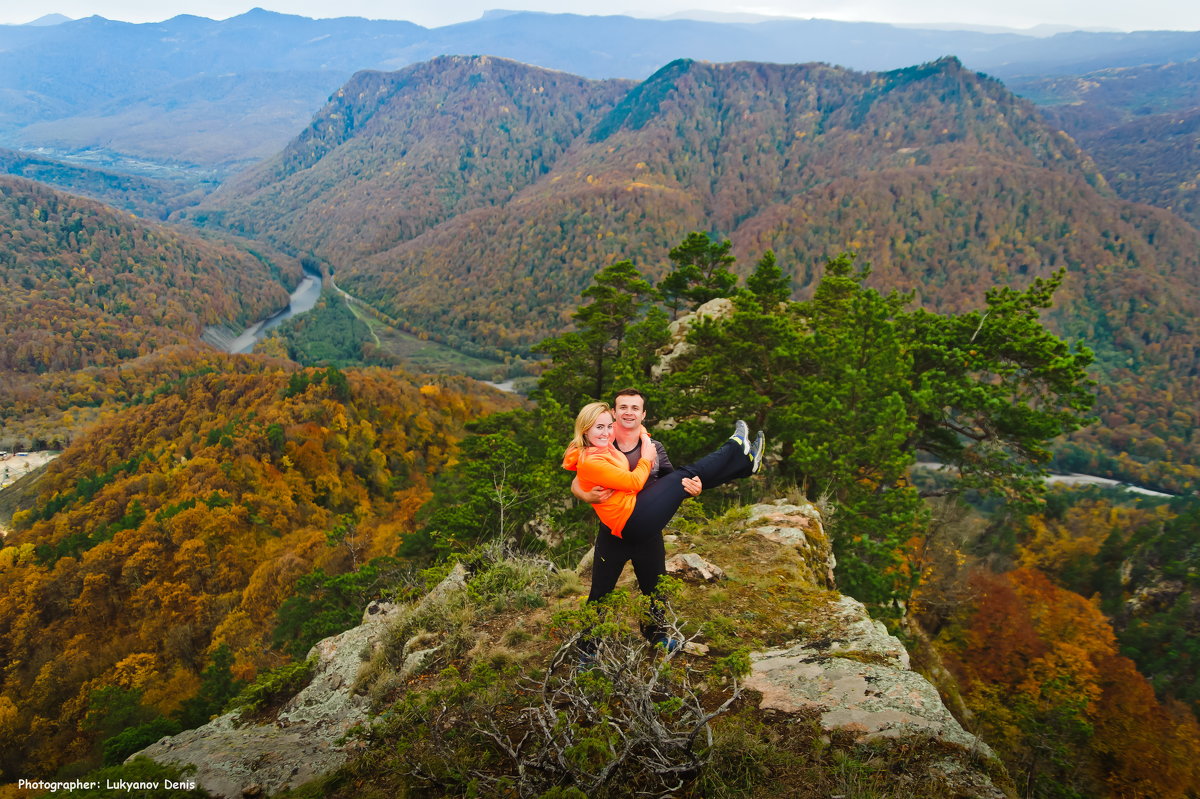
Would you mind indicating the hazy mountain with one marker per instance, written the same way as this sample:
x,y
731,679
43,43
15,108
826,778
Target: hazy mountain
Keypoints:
x,y
221,121
1142,125
187,89
236,89
49,19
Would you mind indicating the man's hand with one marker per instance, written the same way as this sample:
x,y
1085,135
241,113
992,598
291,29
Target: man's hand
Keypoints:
x,y
692,486
596,495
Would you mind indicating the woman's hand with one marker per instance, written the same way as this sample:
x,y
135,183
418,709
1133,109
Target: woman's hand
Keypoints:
x,y
649,452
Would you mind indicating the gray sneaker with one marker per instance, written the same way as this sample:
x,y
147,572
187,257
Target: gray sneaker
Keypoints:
x,y
756,452
741,434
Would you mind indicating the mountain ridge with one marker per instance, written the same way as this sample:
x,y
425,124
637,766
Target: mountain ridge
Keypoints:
x,y
938,176
40,67
719,143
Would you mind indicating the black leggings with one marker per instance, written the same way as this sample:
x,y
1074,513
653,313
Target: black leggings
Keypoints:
x,y
641,539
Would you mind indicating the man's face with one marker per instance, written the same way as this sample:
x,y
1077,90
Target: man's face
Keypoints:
x,y
630,410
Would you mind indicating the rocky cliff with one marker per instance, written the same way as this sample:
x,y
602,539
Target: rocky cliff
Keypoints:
x,y
761,574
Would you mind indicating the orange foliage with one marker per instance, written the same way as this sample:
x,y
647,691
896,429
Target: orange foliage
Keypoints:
x,y
184,522
1041,672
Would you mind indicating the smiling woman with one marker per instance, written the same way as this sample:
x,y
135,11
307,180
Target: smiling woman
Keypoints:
x,y
601,431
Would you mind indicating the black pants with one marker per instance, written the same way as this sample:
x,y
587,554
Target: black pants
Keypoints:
x,y
641,539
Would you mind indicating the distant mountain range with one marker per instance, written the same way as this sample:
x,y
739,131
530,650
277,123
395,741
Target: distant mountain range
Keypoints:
x,y
195,91
49,19
1142,125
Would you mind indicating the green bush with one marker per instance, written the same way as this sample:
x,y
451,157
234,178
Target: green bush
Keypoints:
x,y
273,687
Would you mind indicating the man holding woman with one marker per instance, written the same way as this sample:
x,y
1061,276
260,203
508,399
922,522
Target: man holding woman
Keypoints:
x,y
614,459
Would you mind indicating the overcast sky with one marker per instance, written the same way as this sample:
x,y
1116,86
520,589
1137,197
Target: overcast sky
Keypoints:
x,y
1089,14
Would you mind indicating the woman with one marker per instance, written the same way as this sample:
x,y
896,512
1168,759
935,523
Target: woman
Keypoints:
x,y
632,522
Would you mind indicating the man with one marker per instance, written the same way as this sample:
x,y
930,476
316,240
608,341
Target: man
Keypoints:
x,y
629,410
612,553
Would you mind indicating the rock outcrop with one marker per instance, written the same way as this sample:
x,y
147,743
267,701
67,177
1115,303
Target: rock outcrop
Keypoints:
x,y
843,669
718,308
858,680
798,526
307,737
853,675
690,566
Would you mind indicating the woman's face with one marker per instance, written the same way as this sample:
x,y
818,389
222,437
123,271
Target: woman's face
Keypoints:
x,y
600,433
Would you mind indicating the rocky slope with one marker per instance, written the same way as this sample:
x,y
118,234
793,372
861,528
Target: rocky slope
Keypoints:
x,y
836,666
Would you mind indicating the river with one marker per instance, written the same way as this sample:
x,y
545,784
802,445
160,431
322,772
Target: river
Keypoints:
x,y
303,299
1071,479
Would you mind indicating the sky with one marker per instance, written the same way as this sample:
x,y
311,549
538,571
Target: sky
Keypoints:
x,y
1081,14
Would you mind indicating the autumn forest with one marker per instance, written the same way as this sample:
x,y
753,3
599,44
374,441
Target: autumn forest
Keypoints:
x,y
928,294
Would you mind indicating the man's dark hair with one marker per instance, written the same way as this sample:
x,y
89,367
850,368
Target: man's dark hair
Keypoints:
x,y
629,392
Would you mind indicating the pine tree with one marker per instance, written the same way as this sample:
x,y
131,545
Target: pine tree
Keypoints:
x,y
701,273
852,386
585,361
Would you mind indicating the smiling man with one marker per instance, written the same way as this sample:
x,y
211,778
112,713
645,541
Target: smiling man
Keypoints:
x,y
629,410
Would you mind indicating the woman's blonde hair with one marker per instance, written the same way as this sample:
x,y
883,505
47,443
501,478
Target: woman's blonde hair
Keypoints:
x,y
584,421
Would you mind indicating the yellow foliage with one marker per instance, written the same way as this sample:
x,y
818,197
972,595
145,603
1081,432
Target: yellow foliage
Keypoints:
x,y
135,671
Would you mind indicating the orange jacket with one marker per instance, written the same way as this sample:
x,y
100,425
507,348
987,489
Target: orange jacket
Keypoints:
x,y
604,466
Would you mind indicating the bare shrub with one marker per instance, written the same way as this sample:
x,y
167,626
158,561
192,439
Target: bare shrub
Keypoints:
x,y
617,717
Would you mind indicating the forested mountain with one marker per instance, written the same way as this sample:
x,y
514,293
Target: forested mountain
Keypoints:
x,y
83,286
939,177
164,542
1141,124
86,286
395,154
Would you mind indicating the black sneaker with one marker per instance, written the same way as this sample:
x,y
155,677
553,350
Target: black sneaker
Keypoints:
x,y
756,452
741,434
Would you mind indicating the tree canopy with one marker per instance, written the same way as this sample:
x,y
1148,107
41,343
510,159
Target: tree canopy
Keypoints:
x,y
851,386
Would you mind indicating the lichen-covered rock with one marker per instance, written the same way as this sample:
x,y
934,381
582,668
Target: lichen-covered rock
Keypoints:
x,y
848,672
856,678
692,567
307,736
797,525
720,307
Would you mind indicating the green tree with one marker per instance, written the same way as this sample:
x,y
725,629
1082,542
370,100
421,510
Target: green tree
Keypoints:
x,y
701,273
327,604
994,386
851,386
849,422
507,485
767,283
217,687
123,724
585,361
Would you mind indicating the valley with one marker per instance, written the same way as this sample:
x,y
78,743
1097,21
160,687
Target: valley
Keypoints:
x,y
302,329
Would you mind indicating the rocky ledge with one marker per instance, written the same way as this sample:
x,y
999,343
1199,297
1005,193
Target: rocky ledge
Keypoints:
x,y
850,674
